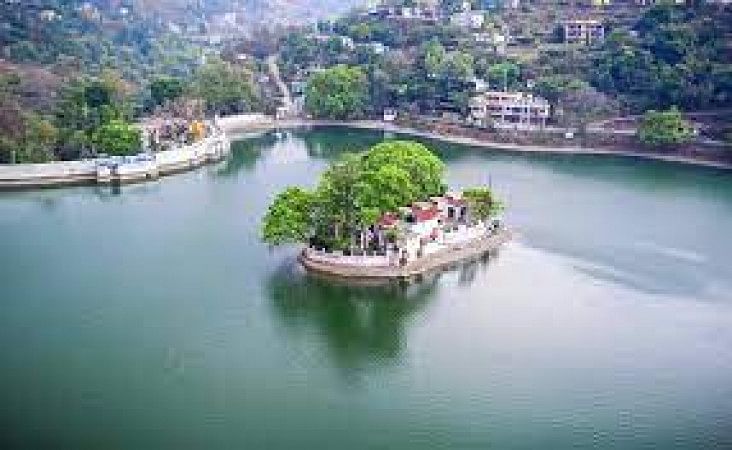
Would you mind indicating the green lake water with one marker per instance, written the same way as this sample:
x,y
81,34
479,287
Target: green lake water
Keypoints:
x,y
153,318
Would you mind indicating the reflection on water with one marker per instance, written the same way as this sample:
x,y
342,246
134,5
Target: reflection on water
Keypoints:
x,y
363,326
133,320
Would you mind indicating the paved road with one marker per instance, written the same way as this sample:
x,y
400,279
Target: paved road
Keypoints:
x,y
274,71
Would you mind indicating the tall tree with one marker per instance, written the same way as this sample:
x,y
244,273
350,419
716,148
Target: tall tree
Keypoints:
x,y
337,93
289,218
224,88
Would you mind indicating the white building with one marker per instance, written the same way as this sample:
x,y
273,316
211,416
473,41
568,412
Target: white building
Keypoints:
x,y
583,31
49,15
509,110
493,40
390,115
468,19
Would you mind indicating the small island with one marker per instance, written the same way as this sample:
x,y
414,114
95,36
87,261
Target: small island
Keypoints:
x,y
385,214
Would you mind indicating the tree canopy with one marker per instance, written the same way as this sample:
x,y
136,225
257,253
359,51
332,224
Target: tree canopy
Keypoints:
x,y
482,202
224,88
337,93
117,137
353,193
660,128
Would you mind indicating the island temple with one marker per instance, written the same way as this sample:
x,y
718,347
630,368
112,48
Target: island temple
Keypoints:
x,y
429,233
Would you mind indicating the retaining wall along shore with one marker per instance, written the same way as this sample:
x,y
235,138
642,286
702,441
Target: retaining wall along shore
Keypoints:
x,y
313,261
115,170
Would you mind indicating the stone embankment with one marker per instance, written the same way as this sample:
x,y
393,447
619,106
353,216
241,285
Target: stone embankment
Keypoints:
x,y
115,170
120,170
348,268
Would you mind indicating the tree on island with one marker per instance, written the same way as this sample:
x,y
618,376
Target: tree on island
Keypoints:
x,y
482,203
660,128
337,93
353,193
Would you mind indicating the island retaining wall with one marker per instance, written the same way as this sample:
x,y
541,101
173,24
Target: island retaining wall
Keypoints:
x,y
346,267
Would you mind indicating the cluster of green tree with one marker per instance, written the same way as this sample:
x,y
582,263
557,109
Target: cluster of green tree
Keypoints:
x,y
77,32
96,69
91,113
678,56
337,93
664,128
674,55
353,193
94,114
391,33
426,77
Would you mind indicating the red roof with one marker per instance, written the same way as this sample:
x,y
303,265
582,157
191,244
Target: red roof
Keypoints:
x,y
388,220
455,201
423,215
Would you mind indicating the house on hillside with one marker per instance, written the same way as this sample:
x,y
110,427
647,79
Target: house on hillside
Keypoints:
x,y
492,40
509,110
473,20
419,10
583,31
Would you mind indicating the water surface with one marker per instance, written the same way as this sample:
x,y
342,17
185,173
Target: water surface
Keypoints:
x,y
154,318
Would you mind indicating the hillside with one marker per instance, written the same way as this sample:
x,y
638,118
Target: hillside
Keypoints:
x,y
253,11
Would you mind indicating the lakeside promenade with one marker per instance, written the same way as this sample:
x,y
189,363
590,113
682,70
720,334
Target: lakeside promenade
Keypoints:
x,y
138,168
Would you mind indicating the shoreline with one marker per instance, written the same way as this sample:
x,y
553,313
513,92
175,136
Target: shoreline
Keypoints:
x,y
75,173
498,146
112,172
436,262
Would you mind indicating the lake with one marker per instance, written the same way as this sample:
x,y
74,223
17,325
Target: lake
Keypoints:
x,y
153,317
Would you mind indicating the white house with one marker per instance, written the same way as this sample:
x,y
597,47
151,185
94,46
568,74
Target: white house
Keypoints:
x,y
509,109
468,19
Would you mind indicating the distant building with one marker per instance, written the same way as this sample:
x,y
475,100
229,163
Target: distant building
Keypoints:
x,y
347,42
583,31
468,19
478,85
48,15
377,47
423,10
676,2
494,40
390,115
509,109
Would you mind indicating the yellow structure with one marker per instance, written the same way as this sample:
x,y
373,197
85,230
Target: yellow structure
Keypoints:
x,y
197,130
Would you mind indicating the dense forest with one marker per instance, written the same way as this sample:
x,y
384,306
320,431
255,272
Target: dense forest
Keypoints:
x,y
75,75
671,56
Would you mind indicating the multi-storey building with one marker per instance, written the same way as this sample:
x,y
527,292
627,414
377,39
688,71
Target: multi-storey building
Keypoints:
x,y
509,109
583,31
